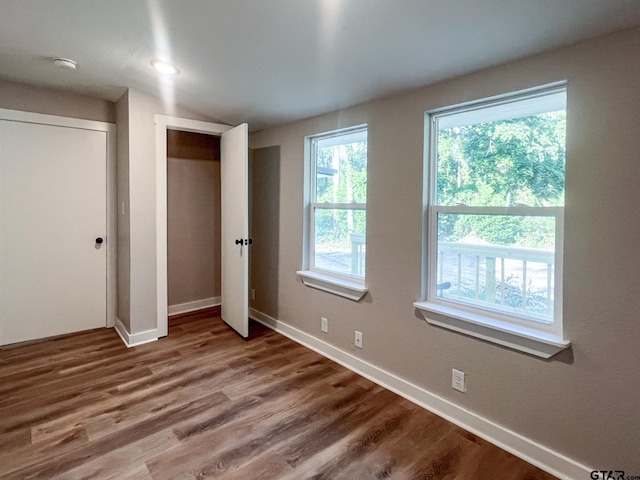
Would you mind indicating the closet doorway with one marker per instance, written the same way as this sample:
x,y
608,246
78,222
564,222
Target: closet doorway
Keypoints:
x,y
193,221
234,223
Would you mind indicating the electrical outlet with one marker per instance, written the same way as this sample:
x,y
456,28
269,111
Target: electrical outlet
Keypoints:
x,y
325,324
253,294
358,340
458,380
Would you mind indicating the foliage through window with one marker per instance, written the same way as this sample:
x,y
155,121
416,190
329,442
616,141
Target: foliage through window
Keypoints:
x,y
338,197
497,176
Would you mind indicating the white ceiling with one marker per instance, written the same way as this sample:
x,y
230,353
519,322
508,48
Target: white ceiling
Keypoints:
x,y
268,62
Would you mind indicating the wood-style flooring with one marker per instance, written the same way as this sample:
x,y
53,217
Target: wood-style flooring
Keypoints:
x,y
204,403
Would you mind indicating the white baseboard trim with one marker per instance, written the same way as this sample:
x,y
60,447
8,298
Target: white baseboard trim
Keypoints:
x,y
195,305
520,446
133,340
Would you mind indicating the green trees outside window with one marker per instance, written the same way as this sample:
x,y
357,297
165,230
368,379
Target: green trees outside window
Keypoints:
x,y
506,163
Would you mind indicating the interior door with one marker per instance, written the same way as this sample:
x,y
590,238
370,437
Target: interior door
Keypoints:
x,y
52,212
234,173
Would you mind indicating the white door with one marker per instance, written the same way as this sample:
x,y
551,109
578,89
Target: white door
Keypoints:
x,y
52,211
234,175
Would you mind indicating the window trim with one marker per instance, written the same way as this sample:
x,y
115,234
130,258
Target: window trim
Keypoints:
x,y
345,285
520,332
333,284
489,329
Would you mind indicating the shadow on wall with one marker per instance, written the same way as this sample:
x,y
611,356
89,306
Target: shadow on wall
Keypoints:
x,y
264,228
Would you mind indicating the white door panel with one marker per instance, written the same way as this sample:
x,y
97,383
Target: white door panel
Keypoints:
x,y
235,226
52,209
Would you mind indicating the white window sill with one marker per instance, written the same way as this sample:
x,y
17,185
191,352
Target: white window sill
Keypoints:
x,y
509,335
338,286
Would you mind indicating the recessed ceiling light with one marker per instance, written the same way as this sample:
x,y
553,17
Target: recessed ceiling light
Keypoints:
x,y
165,68
65,63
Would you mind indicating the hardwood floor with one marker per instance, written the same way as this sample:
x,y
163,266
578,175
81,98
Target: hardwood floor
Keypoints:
x,y
204,403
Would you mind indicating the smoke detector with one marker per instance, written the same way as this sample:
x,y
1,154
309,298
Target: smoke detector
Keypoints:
x,y
65,63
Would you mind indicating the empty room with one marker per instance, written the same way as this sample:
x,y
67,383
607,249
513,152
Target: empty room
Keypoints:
x,y
331,239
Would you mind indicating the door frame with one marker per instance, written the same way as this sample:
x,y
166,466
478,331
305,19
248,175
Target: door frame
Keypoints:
x,y
164,122
111,213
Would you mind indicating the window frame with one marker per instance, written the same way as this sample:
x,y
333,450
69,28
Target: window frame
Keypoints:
x,y
339,283
520,331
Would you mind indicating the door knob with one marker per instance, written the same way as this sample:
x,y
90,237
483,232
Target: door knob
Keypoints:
x,y
239,241
99,240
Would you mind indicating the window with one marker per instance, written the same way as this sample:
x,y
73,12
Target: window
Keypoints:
x,y
335,250
495,209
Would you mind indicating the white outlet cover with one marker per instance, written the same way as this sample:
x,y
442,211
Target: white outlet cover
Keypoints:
x,y
458,380
358,339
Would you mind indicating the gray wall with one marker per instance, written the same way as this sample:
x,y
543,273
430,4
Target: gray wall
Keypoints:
x,y
140,196
583,403
27,98
193,217
264,188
